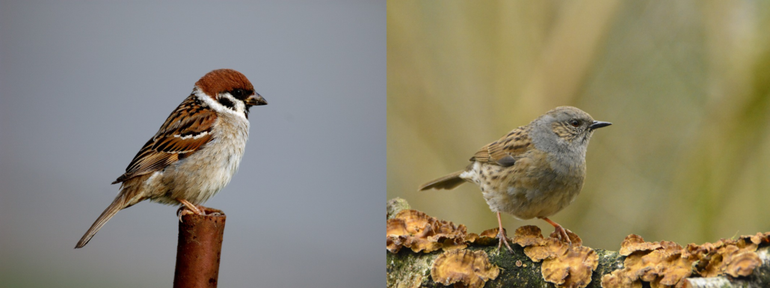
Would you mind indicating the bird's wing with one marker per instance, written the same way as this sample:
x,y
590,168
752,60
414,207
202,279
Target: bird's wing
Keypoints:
x,y
185,131
505,151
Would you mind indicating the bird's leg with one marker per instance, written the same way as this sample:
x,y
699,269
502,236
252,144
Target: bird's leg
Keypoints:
x,y
501,236
190,206
559,230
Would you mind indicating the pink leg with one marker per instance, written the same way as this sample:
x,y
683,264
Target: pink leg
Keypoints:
x,y
559,230
501,237
190,206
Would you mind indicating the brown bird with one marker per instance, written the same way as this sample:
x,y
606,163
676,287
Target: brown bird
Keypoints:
x,y
533,171
195,152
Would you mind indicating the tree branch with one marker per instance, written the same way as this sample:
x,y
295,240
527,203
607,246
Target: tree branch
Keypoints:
x,y
651,263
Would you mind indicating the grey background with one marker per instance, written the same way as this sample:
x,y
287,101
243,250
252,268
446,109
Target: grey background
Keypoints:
x,y
83,85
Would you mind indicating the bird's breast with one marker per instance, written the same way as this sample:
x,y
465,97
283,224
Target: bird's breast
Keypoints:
x,y
208,170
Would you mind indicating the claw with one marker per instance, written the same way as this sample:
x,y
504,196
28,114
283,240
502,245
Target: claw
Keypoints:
x,y
183,210
198,210
501,237
560,231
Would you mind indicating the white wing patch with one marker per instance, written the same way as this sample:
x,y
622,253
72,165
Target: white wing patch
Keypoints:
x,y
196,136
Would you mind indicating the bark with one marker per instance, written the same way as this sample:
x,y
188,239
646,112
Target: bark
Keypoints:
x,y
199,248
411,269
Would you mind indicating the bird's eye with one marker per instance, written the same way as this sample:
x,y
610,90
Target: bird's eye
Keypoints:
x,y
240,93
574,122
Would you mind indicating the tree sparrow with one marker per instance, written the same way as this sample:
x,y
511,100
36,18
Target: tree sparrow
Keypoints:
x,y
196,151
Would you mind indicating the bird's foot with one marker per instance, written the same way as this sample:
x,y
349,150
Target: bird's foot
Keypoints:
x,y
182,211
560,232
563,235
211,211
502,238
189,208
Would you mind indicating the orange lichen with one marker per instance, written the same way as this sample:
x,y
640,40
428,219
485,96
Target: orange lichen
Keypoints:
x,y
420,232
535,246
572,269
676,269
758,238
549,248
667,263
528,235
574,238
729,257
634,243
538,248
742,264
614,280
463,267
487,237
563,264
660,263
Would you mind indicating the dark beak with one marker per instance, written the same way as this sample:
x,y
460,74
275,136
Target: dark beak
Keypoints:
x,y
598,124
255,100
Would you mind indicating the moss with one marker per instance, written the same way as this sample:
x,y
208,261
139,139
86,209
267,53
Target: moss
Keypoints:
x,y
526,274
608,261
409,269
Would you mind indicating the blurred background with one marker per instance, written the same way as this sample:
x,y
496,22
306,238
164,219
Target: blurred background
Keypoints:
x,y
84,84
686,85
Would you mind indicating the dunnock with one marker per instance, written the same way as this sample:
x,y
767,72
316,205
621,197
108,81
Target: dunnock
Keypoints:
x,y
533,171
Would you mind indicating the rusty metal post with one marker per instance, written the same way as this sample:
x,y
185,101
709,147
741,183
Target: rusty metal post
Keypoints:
x,y
198,249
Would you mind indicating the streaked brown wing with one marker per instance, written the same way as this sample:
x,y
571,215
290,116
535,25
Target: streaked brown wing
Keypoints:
x,y
505,151
184,132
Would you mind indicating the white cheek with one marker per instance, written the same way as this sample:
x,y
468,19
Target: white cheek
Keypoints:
x,y
240,107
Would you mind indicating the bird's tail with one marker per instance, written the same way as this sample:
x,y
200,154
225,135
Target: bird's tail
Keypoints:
x,y
447,182
118,204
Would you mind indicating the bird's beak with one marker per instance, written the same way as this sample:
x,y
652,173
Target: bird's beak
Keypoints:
x,y
255,100
598,124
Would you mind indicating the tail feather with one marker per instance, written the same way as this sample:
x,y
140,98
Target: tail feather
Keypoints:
x,y
118,204
447,182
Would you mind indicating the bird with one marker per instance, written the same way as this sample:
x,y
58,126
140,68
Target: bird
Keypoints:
x,y
533,171
195,152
